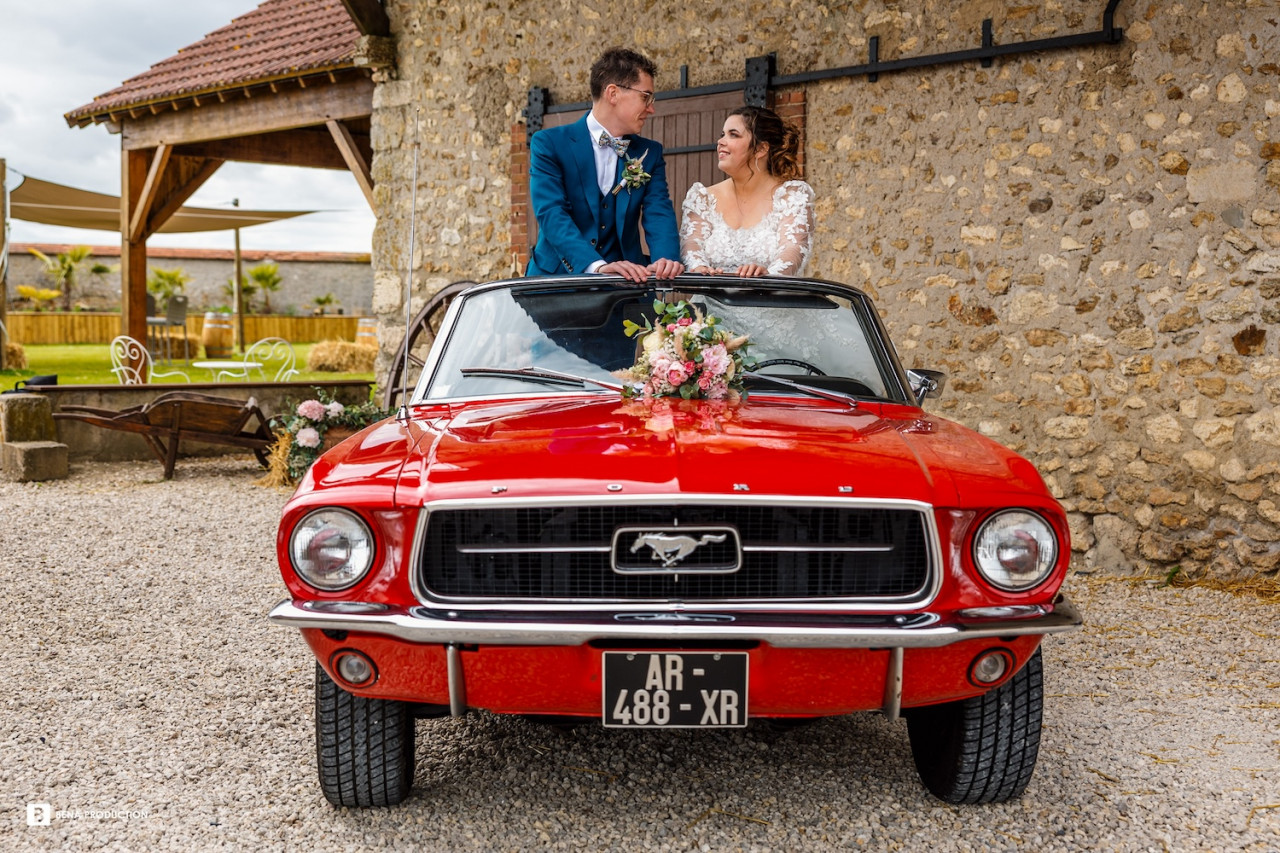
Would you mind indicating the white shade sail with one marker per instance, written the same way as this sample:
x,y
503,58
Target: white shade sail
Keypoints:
x,y
54,204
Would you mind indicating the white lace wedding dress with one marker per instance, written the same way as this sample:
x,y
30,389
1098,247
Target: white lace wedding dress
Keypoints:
x,y
829,339
780,242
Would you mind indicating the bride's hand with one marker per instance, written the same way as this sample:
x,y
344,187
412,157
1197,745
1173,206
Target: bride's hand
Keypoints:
x,y
752,270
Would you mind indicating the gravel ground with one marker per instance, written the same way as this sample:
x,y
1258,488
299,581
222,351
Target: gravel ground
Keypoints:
x,y
152,706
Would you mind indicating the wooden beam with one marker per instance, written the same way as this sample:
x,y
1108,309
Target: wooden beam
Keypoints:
x,y
133,253
355,160
148,196
4,257
307,146
185,176
350,98
369,17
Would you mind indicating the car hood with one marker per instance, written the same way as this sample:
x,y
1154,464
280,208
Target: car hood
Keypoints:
x,y
814,448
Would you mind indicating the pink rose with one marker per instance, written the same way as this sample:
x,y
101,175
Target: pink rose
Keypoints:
x,y
671,327
715,359
307,437
676,375
312,410
685,321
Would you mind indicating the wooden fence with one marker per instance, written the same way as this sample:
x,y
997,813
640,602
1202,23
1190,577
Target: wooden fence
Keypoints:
x,y
87,327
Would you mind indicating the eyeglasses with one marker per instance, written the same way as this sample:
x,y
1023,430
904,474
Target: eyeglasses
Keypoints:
x,y
647,95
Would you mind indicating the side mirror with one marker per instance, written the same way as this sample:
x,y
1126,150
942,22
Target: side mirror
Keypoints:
x,y
926,383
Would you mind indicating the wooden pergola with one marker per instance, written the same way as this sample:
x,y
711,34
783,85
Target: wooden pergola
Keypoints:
x,y
290,83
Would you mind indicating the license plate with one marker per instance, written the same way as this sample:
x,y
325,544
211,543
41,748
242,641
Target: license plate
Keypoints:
x,y
677,690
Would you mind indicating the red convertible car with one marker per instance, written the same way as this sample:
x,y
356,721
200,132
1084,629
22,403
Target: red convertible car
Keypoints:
x,y
690,504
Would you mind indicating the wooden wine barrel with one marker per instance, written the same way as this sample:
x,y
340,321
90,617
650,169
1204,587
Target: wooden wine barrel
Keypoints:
x,y
217,336
367,331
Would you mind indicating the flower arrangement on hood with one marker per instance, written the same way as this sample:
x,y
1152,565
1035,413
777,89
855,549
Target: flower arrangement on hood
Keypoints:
x,y
300,435
685,355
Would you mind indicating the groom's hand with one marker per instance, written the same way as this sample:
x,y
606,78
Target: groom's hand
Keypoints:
x,y
665,268
626,269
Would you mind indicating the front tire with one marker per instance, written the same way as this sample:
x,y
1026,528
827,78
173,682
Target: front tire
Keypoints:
x,y
983,749
364,747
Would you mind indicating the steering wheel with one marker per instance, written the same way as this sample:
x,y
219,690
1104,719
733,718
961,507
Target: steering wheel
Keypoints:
x,y
793,362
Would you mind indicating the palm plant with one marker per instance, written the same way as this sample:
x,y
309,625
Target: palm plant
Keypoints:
x,y
165,283
37,296
247,291
266,278
63,268
323,302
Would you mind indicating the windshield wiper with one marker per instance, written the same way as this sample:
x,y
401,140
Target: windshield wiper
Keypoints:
x,y
539,374
835,396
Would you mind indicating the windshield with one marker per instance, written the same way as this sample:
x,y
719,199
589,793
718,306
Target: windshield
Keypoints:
x,y
500,337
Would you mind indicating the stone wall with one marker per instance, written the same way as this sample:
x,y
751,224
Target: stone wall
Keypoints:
x,y
305,275
1086,240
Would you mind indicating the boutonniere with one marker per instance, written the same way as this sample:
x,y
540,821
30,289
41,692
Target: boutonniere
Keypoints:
x,y
633,174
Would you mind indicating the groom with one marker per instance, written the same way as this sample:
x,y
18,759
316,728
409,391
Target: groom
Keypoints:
x,y
593,183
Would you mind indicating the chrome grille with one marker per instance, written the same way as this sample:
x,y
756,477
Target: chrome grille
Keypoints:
x,y
789,552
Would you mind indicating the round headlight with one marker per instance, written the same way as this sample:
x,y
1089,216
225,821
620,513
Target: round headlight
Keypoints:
x,y
331,549
1015,550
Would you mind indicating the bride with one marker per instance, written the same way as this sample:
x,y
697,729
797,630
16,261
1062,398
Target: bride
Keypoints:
x,y
759,220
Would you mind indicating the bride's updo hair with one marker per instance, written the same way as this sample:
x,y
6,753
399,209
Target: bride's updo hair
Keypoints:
x,y
783,139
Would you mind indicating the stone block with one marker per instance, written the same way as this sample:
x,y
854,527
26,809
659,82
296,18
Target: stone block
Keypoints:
x,y
28,461
26,417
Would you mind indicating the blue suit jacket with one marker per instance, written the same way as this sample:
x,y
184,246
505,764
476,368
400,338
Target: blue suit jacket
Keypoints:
x,y
566,203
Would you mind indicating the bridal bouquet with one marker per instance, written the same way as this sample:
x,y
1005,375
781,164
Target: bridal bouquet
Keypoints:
x,y
685,355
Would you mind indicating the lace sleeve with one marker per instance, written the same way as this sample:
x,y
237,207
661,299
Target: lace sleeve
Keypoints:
x,y
795,228
694,227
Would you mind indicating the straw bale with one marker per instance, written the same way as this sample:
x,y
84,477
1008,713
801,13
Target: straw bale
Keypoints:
x,y
341,357
15,356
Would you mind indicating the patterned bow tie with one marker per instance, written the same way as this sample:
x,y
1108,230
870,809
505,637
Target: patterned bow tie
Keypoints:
x,y
618,145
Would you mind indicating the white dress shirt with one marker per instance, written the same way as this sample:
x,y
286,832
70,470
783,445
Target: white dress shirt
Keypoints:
x,y
606,157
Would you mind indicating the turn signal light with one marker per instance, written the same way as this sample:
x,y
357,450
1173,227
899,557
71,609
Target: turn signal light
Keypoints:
x,y
991,667
353,668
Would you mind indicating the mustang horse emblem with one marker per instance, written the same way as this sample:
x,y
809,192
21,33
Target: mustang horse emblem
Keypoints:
x,y
671,549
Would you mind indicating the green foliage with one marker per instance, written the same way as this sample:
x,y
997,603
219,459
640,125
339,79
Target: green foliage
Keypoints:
x,y
63,268
165,283
323,303
247,291
37,296
266,280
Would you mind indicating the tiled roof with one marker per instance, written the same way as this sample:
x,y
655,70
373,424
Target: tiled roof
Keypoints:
x,y
281,39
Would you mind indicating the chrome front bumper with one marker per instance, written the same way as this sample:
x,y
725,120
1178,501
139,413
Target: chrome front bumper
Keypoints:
x,y
793,630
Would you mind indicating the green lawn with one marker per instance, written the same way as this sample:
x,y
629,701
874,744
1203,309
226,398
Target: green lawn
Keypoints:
x,y
90,364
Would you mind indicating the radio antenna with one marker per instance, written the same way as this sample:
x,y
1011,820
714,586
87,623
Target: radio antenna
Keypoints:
x,y
408,276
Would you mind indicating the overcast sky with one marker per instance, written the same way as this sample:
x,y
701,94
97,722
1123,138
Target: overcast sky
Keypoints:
x,y
61,54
